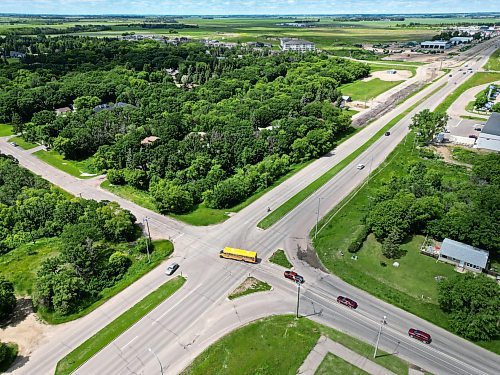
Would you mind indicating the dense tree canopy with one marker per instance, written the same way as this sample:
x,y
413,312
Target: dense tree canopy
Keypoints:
x,y
473,302
219,115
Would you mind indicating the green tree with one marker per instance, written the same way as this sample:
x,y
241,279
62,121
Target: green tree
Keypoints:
x,y
7,298
427,124
473,303
391,247
86,102
171,198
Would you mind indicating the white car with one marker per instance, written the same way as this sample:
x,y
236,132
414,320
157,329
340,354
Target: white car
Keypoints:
x,y
360,166
171,269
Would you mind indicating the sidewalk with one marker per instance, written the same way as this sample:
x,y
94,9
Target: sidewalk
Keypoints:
x,y
325,346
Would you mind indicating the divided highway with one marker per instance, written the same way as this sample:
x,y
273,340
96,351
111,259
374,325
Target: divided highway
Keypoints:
x,y
199,313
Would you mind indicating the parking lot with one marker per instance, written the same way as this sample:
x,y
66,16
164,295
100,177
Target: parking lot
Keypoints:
x,y
463,127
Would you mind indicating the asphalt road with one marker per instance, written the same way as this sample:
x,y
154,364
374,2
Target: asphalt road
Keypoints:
x,y
198,314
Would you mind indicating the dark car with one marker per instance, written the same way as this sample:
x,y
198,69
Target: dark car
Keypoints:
x,y
171,269
473,136
294,276
347,301
419,335
387,134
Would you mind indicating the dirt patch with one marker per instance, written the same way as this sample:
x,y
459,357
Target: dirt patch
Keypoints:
x,y
249,283
24,328
445,152
309,256
390,103
390,75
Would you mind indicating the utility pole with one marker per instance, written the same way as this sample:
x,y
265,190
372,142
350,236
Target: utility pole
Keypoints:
x,y
378,336
317,219
298,298
158,359
149,238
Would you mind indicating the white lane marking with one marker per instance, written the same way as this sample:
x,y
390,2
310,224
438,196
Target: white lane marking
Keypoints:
x,y
127,344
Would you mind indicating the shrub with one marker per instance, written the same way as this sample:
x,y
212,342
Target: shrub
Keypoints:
x,y
116,176
358,240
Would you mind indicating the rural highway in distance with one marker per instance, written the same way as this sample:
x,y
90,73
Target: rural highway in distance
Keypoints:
x,y
199,313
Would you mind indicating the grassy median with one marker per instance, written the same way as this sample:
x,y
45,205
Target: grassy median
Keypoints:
x,y
278,345
302,195
279,258
126,320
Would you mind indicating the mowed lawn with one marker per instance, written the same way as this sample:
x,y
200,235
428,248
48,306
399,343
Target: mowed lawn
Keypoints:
x,y
20,265
25,145
333,365
494,61
80,169
364,90
277,345
5,130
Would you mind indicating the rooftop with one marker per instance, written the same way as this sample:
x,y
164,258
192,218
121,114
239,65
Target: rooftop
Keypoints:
x,y
492,126
465,253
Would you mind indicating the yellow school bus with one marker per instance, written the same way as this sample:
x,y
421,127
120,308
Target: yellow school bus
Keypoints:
x,y
238,254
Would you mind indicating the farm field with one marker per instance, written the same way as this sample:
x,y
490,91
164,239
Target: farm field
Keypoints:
x,y
328,33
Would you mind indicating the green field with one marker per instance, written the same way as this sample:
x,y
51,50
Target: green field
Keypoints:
x,y
478,78
277,345
366,90
494,61
249,286
5,130
20,265
333,365
93,345
22,143
80,169
279,258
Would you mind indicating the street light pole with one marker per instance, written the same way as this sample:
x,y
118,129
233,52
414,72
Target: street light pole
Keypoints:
x,y
317,219
378,336
298,299
158,359
148,240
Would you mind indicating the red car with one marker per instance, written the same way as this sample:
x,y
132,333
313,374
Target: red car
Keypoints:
x,y
419,335
347,301
294,276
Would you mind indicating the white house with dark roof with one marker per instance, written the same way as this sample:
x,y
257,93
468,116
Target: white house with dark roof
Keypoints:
x,y
489,138
464,256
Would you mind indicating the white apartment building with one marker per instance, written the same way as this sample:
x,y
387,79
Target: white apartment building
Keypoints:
x,y
288,44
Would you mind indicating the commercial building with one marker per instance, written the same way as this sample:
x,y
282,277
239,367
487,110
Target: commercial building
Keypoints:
x,y
464,256
489,138
288,44
436,44
461,39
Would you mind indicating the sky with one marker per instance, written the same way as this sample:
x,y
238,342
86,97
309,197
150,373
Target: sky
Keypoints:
x,y
227,7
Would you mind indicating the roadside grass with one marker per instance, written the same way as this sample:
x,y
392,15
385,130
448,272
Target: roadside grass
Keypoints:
x,y
363,90
21,264
475,118
9,356
494,61
140,266
412,285
97,342
137,196
333,365
5,130
478,78
249,286
25,145
277,345
279,258
374,67
72,167
294,201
